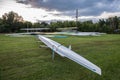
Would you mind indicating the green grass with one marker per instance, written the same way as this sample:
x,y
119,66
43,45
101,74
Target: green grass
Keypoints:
x,y
22,59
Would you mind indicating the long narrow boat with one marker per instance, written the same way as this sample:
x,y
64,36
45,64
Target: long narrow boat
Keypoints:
x,y
66,52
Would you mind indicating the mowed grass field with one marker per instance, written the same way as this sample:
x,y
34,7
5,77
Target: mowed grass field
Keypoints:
x,y
22,59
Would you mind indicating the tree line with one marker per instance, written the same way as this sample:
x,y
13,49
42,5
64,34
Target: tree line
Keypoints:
x,y
11,22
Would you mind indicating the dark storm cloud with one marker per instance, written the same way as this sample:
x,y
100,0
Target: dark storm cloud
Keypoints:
x,y
86,7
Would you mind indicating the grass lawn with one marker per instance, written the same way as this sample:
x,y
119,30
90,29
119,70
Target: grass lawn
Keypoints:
x,y
22,59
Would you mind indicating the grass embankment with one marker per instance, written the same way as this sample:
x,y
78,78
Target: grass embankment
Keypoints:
x,y
22,59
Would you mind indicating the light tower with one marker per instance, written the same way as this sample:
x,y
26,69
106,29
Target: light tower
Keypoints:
x,y
77,18
76,15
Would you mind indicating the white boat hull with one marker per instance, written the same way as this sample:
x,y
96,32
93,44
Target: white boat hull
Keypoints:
x,y
66,52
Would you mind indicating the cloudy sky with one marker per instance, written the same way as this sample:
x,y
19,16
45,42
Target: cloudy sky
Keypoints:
x,y
48,10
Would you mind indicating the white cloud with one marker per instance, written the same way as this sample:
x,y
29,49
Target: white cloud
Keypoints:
x,y
100,5
45,0
31,14
109,14
104,15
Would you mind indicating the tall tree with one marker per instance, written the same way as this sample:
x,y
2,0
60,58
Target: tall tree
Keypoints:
x,y
44,24
36,25
114,21
53,26
12,20
1,26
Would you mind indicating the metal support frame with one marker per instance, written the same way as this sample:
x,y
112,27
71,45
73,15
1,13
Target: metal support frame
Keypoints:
x,y
53,52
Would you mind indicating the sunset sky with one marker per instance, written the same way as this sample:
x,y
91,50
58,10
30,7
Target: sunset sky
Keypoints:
x,y
50,10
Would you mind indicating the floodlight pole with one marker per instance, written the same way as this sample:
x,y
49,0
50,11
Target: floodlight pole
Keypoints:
x,y
76,18
76,15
